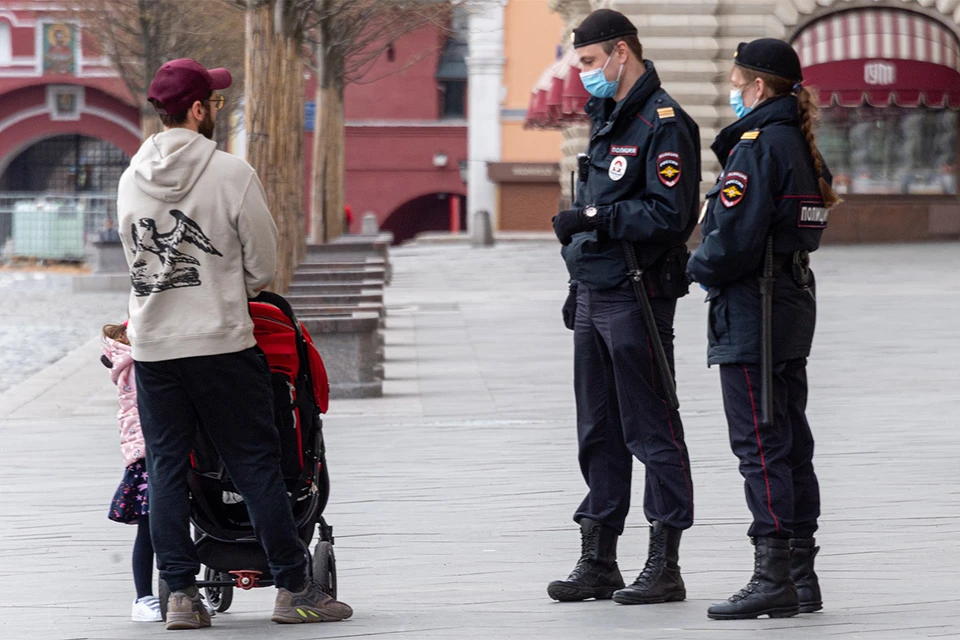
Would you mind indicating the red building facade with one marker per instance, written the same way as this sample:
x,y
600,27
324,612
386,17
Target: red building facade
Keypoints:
x,y
61,105
406,136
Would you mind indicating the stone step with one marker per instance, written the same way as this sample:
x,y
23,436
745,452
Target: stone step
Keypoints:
x,y
335,288
359,275
351,346
364,262
297,301
325,311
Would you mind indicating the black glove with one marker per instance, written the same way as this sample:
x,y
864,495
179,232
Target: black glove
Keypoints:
x,y
570,308
570,222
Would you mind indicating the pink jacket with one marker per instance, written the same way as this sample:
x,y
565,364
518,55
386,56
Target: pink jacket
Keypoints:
x,y
131,439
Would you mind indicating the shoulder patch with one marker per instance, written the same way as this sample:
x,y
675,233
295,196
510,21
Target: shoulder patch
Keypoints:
x,y
666,112
733,188
668,168
751,135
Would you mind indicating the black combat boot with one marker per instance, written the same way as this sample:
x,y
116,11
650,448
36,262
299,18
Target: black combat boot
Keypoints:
x,y
770,591
802,553
596,574
660,579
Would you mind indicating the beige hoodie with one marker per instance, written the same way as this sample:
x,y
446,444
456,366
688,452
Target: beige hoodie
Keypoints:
x,y
199,240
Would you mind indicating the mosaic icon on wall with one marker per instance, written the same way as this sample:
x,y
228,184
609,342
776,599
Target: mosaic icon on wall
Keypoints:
x,y
59,48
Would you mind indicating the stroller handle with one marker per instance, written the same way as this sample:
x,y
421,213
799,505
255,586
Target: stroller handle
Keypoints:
x,y
281,303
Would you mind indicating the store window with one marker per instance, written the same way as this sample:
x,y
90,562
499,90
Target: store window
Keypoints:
x,y
889,90
890,150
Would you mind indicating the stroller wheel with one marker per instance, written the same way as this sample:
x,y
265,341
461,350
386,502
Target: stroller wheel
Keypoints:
x,y
220,598
163,595
325,568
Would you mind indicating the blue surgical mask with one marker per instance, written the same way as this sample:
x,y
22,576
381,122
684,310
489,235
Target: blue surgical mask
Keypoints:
x,y
736,101
596,83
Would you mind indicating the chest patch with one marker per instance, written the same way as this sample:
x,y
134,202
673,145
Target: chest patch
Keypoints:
x,y
668,168
733,189
813,216
623,150
618,168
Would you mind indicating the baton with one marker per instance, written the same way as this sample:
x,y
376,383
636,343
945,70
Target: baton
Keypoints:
x,y
766,336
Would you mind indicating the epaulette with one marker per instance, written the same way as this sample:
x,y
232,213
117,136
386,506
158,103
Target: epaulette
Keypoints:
x,y
751,135
665,113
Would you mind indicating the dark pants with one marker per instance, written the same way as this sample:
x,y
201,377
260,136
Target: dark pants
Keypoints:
x,y
230,395
776,463
621,412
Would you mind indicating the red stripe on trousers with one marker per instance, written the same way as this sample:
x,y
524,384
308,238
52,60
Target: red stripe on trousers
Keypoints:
x,y
763,462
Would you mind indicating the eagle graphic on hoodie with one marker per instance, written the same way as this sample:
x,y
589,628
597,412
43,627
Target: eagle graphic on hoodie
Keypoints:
x,y
176,269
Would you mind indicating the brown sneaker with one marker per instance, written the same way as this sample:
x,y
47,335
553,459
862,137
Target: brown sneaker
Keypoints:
x,y
309,605
186,612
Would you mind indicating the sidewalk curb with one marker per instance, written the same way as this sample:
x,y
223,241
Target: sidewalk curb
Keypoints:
x,y
22,394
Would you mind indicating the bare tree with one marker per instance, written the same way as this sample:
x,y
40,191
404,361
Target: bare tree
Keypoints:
x,y
346,38
275,119
138,36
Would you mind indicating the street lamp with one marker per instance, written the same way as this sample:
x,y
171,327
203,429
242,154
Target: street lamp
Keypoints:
x,y
440,160
464,171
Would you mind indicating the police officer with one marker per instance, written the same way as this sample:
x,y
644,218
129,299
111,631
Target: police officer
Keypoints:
x,y
637,193
774,184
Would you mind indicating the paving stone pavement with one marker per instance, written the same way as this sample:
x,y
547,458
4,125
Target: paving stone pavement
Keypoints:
x,y
452,495
42,319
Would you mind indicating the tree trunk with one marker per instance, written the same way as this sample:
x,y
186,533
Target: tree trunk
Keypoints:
x,y
327,181
149,122
333,140
274,118
318,227
328,154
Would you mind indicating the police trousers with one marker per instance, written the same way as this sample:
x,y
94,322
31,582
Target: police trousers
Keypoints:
x,y
622,414
776,462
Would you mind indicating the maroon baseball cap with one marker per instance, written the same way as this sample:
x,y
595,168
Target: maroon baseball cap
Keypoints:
x,y
180,83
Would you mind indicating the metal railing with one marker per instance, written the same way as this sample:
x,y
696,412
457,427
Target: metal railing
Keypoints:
x,y
54,226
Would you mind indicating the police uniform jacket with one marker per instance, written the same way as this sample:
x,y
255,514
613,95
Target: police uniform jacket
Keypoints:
x,y
643,176
768,186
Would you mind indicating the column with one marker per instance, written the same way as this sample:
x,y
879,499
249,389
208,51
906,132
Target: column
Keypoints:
x,y
485,87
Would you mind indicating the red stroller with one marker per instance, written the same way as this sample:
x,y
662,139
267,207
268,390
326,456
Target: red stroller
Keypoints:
x,y
223,534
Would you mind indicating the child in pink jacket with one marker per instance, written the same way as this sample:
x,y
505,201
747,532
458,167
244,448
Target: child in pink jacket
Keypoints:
x,y
130,502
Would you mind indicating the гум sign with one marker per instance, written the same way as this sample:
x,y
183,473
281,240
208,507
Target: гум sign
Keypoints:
x,y
879,73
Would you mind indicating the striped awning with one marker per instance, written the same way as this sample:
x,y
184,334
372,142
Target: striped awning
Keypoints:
x,y
880,57
558,97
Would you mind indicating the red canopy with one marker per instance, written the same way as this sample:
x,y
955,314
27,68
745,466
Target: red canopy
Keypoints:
x,y
904,83
881,56
558,97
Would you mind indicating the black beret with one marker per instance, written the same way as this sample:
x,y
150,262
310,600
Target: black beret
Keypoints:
x,y
602,25
769,55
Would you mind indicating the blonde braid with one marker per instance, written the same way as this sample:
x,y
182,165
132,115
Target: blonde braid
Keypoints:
x,y
809,113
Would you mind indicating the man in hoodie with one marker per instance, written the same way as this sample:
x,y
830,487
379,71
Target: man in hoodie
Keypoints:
x,y
200,241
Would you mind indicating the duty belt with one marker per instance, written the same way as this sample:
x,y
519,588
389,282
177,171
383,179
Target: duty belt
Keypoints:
x,y
797,264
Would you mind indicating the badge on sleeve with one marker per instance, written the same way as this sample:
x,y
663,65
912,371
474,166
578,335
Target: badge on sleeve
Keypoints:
x,y
618,168
668,168
734,186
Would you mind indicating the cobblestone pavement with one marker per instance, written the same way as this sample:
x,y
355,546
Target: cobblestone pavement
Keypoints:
x,y
41,320
452,495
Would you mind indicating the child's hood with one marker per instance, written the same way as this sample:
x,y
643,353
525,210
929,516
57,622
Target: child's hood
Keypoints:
x,y
119,354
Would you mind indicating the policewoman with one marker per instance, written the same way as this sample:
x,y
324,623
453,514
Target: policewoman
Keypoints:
x,y
774,185
637,197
